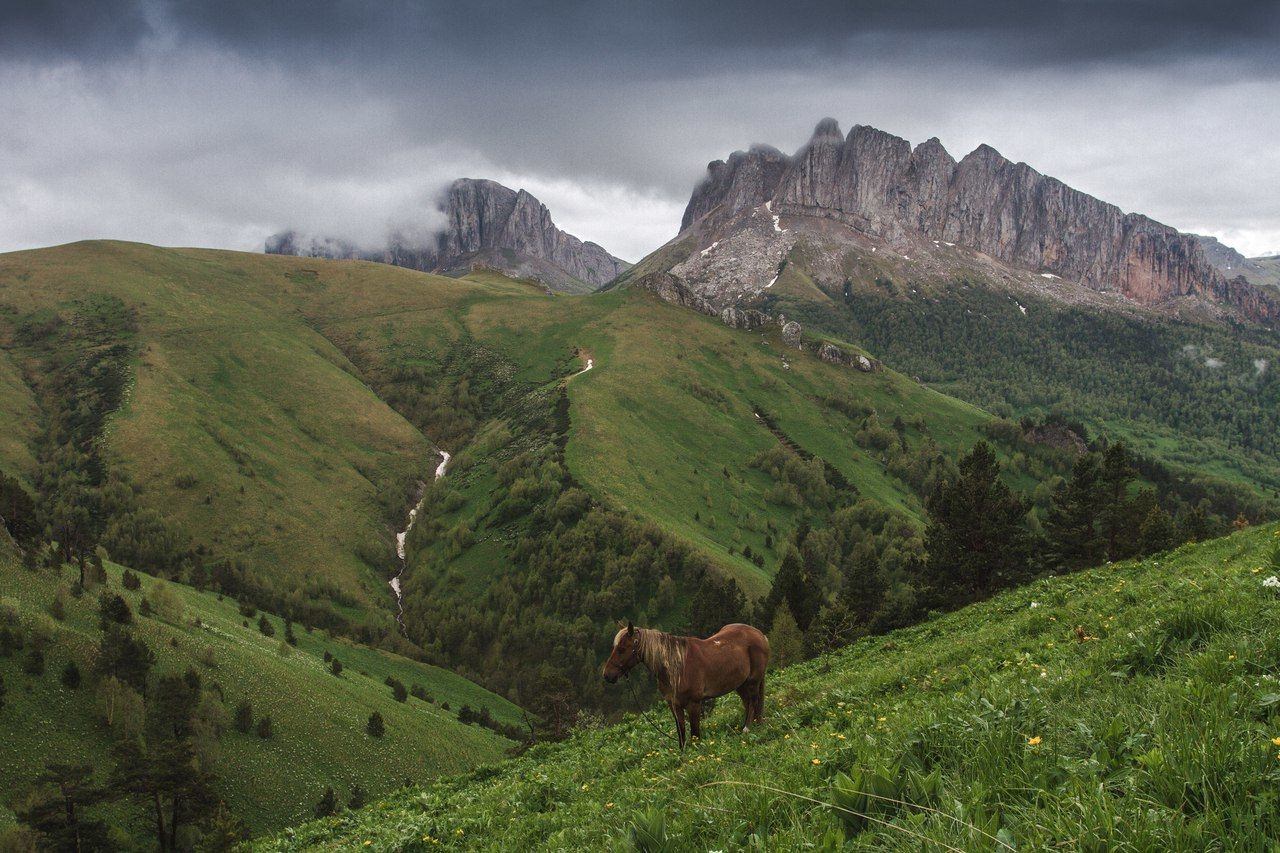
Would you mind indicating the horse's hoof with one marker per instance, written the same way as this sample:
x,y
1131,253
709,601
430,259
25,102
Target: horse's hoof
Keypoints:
x,y
744,730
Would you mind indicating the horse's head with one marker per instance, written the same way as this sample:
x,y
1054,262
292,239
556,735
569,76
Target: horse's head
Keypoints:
x,y
625,654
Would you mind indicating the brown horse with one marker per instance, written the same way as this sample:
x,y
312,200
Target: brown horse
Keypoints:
x,y
690,671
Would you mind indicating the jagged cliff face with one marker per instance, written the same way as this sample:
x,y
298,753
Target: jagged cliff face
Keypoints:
x,y
488,225
920,200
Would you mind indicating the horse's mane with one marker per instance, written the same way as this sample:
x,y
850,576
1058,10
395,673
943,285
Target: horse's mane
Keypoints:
x,y
662,653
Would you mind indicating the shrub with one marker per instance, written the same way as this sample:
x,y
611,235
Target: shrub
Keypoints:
x,y
71,675
130,580
375,726
264,727
166,603
265,626
336,667
328,804
34,664
244,717
113,609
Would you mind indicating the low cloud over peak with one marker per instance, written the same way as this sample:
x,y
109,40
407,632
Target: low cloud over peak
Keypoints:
x,y
216,123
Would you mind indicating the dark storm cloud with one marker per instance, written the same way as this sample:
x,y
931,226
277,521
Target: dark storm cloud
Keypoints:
x,y
657,37
66,29
217,120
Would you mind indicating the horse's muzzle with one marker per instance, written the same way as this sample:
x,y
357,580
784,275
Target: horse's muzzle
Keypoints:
x,y
610,679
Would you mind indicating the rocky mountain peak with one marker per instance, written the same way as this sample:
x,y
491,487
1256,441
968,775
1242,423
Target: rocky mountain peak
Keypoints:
x,y
827,130
486,225
878,186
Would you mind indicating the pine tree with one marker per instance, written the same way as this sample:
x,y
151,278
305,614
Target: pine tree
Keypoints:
x,y
125,657
58,810
375,725
113,610
785,639
1072,524
335,666
864,585
288,633
265,626
265,729
1116,523
328,804
976,539
166,771
718,601
357,800
1157,532
794,586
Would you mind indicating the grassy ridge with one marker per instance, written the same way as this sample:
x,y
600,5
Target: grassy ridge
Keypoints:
x,y
318,719
1000,726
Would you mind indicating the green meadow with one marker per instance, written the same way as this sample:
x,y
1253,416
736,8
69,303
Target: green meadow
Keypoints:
x,y
318,719
1134,706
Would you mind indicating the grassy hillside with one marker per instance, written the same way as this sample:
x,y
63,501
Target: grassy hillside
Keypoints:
x,y
1132,706
318,719
279,412
1195,395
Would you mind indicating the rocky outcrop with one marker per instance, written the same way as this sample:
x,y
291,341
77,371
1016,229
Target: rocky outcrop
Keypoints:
x,y
489,226
877,184
833,354
747,180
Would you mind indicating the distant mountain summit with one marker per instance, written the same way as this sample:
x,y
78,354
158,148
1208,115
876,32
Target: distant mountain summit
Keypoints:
x,y
489,226
1264,269
841,201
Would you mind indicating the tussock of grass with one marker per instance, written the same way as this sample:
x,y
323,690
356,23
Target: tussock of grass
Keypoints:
x,y
994,727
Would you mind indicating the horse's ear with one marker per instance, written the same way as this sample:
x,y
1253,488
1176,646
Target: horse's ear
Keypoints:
x,y
621,624
631,629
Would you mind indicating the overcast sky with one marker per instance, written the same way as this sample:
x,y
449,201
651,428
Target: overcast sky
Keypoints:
x,y
217,123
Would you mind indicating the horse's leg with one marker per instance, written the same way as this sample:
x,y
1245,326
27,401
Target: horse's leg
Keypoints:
x,y
695,720
678,711
757,702
747,692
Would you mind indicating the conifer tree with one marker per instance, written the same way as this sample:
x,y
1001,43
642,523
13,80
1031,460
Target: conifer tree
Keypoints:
x,y
1117,526
328,803
863,586
976,539
357,800
375,726
785,639
1157,532
1072,523
58,811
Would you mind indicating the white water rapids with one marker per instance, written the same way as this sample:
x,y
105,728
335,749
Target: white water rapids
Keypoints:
x,y
394,583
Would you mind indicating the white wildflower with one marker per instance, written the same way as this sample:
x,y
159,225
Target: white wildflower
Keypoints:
x,y
1035,604
1272,582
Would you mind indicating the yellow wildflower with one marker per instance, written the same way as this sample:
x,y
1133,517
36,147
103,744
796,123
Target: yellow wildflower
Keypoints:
x,y
1276,741
816,761
1033,741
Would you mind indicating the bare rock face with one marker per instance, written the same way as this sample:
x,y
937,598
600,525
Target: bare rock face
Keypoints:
x,y
747,180
877,185
487,225
791,334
